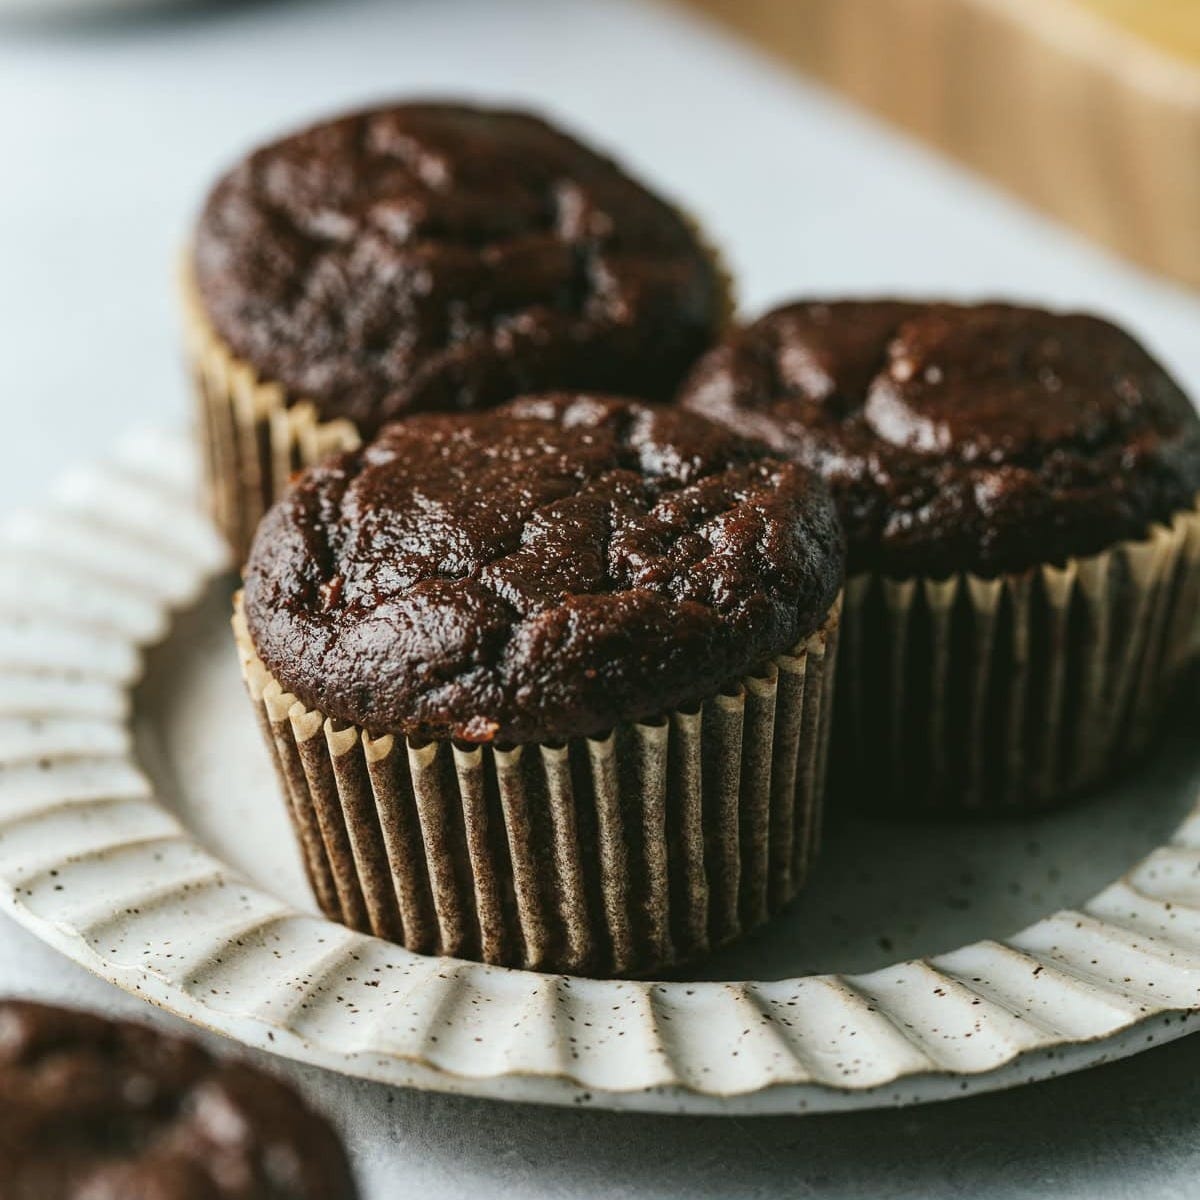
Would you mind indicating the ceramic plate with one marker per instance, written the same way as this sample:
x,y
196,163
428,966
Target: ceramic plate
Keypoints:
x,y
141,834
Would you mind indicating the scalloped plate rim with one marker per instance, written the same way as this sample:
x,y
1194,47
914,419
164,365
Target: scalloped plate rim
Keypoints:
x,y
1031,1066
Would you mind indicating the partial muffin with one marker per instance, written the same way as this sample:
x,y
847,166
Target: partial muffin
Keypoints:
x,y
426,257
546,685
1019,494
93,1109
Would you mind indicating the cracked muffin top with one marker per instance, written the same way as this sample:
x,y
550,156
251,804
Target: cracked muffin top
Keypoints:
x,y
442,257
93,1109
987,438
539,571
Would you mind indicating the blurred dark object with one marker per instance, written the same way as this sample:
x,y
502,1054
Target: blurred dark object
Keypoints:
x,y
87,16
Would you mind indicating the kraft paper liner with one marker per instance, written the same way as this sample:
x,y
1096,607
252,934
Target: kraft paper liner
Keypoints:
x,y
990,694
255,436
620,855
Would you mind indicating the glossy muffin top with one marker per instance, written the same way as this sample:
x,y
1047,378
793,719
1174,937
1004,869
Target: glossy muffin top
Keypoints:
x,y
442,257
988,438
92,1109
539,571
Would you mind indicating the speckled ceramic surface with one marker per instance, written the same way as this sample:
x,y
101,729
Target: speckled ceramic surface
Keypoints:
x,y
140,833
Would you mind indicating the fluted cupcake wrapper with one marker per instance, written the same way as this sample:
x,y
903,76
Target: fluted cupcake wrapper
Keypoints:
x,y
620,855
255,435
989,694
253,439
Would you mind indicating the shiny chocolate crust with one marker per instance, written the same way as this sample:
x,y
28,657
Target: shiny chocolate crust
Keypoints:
x,y
537,572
986,438
441,257
92,1109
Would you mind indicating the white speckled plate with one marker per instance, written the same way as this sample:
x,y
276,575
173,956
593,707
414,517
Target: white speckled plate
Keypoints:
x,y
140,833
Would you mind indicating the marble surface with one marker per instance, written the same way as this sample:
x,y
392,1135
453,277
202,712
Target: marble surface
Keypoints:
x,y
112,128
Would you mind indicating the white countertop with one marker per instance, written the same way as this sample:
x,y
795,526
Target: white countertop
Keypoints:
x,y
110,132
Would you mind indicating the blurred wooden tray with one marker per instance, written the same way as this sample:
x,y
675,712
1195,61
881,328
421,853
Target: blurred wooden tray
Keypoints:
x,y
1089,109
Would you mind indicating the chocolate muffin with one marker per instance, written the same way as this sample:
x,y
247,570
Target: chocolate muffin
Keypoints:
x,y
426,257
93,1109
1018,490
546,684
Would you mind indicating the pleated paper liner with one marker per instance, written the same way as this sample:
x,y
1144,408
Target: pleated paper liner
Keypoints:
x,y
1015,692
621,855
255,436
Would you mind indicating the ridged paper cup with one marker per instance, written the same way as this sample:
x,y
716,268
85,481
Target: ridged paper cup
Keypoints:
x,y
1014,692
621,855
255,435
